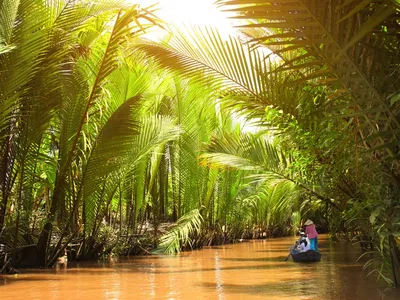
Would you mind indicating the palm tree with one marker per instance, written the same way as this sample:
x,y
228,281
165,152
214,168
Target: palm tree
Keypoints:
x,y
53,88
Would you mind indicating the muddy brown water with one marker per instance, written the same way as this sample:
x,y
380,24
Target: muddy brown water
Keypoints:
x,y
249,270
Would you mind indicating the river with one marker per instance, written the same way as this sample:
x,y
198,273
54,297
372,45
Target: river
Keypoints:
x,y
249,270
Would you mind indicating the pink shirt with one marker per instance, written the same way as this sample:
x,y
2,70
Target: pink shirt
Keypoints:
x,y
311,231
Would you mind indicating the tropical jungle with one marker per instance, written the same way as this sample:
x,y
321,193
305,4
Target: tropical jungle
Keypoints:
x,y
116,143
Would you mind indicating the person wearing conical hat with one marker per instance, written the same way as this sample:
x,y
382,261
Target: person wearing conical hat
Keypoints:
x,y
312,234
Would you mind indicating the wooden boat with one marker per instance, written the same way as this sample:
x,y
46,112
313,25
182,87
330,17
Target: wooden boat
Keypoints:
x,y
309,256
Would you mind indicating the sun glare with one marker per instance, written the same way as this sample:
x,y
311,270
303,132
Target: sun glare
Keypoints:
x,y
191,12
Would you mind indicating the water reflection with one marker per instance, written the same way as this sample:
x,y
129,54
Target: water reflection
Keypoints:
x,y
251,270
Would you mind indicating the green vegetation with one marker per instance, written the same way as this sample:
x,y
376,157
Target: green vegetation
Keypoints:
x,y
105,137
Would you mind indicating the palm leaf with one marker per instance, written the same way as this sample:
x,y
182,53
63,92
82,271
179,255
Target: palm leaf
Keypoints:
x,y
79,101
244,152
154,132
236,68
103,62
341,45
8,13
113,146
181,232
247,153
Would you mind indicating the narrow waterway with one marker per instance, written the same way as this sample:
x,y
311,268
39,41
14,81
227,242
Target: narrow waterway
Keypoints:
x,y
249,270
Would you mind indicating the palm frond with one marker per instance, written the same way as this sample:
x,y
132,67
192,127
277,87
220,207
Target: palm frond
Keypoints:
x,y
341,46
123,148
104,63
113,146
248,153
8,14
227,64
69,15
244,152
180,233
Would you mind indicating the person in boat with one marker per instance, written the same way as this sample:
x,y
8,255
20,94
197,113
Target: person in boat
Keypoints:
x,y
304,242
312,234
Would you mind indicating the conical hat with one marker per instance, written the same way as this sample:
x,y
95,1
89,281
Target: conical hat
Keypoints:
x,y
308,222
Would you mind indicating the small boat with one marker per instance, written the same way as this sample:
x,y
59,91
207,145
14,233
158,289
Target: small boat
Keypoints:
x,y
309,256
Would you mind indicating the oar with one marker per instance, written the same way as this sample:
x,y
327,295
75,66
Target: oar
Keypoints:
x,y
290,252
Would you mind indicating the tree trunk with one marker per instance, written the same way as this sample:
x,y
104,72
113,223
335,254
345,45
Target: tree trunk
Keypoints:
x,y
6,180
44,238
395,260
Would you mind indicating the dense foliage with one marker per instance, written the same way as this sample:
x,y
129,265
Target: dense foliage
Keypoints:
x,y
105,136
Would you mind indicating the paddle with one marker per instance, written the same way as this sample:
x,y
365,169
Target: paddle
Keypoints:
x,y
290,252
